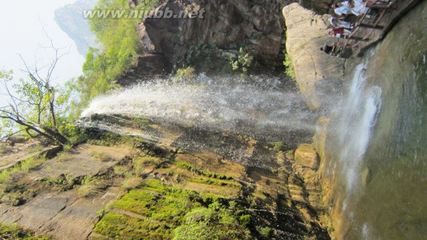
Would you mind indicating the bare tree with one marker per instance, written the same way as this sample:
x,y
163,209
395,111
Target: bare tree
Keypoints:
x,y
33,102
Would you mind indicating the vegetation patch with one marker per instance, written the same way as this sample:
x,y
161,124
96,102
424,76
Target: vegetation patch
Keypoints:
x,y
289,67
158,211
15,194
185,73
204,58
61,183
131,183
212,222
144,162
242,62
120,51
91,187
14,232
4,148
121,170
22,167
202,172
109,139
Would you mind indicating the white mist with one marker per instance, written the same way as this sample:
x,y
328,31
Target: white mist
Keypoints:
x,y
223,104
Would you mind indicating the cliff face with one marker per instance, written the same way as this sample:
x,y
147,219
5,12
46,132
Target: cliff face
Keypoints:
x,y
391,205
218,31
138,179
306,33
317,75
386,202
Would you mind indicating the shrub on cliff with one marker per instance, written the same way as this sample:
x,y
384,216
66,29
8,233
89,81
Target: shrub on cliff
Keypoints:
x,y
185,73
289,67
242,62
119,39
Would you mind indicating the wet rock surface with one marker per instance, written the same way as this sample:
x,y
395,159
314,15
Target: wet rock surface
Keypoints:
x,y
259,176
281,192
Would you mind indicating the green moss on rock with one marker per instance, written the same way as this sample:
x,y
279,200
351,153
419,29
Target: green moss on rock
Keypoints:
x,y
158,211
16,233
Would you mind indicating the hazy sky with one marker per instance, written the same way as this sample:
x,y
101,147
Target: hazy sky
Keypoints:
x,y
24,29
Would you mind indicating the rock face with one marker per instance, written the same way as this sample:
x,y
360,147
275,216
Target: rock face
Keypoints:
x,y
287,198
150,65
220,28
306,156
306,166
90,193
320,6
306,33
47,199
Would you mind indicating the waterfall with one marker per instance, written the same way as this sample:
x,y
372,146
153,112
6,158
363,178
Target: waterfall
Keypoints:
x,y
357,116
355,119
260,105
378,139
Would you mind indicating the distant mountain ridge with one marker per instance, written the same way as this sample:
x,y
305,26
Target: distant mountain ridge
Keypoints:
x,y
70,19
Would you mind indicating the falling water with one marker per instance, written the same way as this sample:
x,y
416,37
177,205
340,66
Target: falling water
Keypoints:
x,y
260,105
357,116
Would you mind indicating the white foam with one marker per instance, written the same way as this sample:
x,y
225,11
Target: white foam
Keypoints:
x,y
224,104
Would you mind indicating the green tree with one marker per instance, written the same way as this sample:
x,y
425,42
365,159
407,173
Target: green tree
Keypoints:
x,y
34,103
119,52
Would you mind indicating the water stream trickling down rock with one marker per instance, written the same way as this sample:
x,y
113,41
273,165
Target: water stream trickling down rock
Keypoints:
x,y
356,119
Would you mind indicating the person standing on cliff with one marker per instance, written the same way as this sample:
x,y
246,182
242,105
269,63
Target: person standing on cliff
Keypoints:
x,y
342,9
339,32
340,23
359,7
